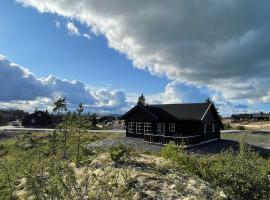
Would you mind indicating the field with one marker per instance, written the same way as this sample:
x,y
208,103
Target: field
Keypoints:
x,y
249,125
259,139
49,166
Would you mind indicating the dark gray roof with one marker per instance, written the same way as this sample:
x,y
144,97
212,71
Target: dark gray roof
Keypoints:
x,y
192,111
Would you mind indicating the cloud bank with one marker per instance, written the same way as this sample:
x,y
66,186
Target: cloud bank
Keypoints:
x,y
223,45
21,89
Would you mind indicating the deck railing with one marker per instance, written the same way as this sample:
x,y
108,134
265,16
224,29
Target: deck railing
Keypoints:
x,y
162,139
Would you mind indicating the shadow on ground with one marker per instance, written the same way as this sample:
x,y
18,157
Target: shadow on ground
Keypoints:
x,y
218,146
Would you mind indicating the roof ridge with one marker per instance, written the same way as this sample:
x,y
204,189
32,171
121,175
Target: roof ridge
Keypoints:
x,y
178,104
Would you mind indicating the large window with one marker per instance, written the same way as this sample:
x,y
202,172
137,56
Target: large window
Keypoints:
x,y
147,128
172,127
161,128
139,127
131,127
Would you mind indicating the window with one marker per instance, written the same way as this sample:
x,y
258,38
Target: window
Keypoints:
x,y
147,128
131,127
205,128
213,128
139,127
161,128
172,127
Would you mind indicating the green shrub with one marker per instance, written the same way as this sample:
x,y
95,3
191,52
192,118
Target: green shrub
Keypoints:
x,y
120,154
3,150
241,176
178,156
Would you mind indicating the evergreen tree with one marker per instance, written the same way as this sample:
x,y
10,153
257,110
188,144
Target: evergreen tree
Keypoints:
x,y
141,100
60,105
208,100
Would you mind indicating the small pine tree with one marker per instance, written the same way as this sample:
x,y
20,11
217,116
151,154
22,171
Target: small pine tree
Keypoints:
x,y
141,100
208,100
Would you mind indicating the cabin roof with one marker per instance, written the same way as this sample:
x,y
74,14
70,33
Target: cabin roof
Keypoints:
x,y
191,111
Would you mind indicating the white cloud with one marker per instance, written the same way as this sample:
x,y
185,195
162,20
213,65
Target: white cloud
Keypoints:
x,y
87,36
21,89
223,45
72,29
57,24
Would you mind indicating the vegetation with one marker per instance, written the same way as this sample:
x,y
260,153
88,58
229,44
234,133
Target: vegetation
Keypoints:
x,y
33,165
141,100
60,105
121,154
227,125
60,165
40,165
241,176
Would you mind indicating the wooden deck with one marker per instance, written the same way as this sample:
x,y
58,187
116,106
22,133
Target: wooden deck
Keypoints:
x,y
161,139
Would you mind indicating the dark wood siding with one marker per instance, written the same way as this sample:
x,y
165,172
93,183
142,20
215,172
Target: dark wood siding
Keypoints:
x,y
186,131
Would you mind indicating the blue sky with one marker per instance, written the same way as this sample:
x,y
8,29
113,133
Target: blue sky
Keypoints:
x,y
32,40
134,49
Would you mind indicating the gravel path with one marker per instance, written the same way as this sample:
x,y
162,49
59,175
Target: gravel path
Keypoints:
x,y
138,144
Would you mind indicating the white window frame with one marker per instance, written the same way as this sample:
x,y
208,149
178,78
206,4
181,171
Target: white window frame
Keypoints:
x,y
147,128
213,128
205,128
139,127
161,128
131,127
172,127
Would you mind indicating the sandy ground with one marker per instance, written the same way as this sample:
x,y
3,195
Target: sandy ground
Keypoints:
x,y
254,125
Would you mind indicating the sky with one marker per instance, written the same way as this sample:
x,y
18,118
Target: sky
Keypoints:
x,y
106,53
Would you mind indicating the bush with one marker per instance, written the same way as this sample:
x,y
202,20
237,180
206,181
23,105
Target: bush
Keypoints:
x,y
3,150
120,154
241,176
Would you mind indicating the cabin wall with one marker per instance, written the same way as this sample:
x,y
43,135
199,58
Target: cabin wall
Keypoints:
x,y
186,131
210,125
186,128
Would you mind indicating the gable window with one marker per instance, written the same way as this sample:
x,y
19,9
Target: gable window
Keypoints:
x,y
139,127
131,127
161,128
205,128
147,128
213,128
172,127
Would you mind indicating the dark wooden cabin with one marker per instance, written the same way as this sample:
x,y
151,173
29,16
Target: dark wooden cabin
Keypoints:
x,y
178,123
38,118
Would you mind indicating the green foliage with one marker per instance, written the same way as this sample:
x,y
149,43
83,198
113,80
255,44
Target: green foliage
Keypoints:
x,y
3,150
60,105
121,154
241,176
47,174
141,100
